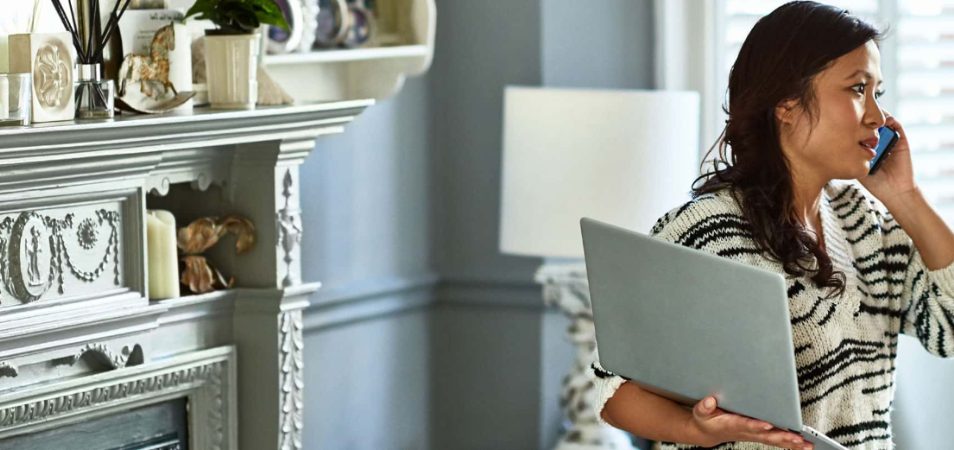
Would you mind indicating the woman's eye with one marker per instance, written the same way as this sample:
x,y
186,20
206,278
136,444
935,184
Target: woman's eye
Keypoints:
x,y
860,90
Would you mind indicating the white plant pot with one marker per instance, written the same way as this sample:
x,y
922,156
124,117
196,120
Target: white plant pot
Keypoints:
x,y
230,64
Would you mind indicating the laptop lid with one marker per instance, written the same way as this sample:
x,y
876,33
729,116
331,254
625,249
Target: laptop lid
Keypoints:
x,y
685,324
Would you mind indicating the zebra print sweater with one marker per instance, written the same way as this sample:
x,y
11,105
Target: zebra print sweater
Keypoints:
x,y
845,346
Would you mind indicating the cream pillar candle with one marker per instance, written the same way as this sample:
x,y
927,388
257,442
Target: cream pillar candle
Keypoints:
x,y
163,261
4,98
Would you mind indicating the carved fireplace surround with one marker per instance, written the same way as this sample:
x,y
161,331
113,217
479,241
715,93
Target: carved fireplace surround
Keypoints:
x,y
79,337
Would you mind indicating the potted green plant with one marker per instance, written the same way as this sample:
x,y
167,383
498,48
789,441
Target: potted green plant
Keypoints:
x,y
231,49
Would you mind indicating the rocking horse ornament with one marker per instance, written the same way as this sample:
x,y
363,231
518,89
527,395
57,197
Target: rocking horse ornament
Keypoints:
x,y
151,72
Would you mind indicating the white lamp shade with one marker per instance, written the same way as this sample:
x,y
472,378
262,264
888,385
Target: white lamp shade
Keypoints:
x,y
624,157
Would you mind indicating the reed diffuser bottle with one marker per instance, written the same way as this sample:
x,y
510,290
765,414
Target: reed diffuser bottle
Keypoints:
x,y
94,95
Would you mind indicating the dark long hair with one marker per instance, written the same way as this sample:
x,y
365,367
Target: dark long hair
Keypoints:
x,y
778,61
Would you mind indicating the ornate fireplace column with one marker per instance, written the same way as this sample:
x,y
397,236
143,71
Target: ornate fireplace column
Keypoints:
x,y
263,185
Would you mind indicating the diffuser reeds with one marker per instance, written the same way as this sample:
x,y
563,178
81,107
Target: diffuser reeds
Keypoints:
x,y
94,96
83,24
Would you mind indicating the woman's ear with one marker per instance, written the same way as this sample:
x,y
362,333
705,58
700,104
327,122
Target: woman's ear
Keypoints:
x,y
785,111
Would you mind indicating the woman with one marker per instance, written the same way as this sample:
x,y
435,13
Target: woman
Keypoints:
x,y
803,113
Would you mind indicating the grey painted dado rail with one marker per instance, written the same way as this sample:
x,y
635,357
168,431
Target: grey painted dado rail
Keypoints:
x,y
79,337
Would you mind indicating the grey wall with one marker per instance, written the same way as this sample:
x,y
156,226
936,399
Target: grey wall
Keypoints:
x,y
605,44
366,196
487,328
368,384
499,357
481,47
424,335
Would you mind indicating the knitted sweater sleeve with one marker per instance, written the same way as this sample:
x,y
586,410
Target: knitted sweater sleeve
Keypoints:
x,y
605,382
710,223
927,298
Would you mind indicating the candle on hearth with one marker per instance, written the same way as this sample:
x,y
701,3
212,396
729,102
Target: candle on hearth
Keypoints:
x,y
163,261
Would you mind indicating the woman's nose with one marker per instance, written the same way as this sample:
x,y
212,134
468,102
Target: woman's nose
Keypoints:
x,y
874,115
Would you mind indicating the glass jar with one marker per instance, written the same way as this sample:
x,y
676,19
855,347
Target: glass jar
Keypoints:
x,y
16,99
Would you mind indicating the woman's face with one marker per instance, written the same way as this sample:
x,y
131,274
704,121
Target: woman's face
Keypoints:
x,y
840,141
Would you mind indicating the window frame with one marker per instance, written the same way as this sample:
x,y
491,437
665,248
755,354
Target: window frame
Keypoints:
x,y
689,55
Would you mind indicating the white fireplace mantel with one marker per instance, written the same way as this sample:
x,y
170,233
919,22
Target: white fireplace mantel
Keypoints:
x,y
79,336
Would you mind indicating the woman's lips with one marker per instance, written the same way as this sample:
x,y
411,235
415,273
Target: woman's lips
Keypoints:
x,y
870,142
870,150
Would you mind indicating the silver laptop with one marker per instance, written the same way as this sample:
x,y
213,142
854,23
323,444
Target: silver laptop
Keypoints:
x,y
685,324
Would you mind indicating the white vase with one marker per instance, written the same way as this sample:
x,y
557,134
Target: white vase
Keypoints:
x,y
230,63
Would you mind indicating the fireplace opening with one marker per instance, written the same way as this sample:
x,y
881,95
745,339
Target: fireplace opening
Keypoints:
x,y
162,426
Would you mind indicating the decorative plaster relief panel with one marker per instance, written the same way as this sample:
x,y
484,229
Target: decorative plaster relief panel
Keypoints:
x,y
290,231
60,252
292,372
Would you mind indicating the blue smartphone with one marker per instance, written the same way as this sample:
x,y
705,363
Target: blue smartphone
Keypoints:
x,y
886,140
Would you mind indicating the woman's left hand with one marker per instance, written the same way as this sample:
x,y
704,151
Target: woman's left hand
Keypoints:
x,y
896,175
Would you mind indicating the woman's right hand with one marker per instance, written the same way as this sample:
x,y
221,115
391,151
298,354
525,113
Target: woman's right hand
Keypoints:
x,y
716,426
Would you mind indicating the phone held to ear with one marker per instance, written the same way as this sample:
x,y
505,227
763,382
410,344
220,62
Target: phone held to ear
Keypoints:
x,y
886,140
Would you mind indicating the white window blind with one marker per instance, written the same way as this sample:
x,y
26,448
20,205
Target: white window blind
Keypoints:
x,y
925,100
918,66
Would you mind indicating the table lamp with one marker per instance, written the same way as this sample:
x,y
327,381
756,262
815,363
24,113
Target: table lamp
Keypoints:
x,y
619,156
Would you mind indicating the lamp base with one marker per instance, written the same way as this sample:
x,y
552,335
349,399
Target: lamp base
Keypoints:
x,y
594,436
565,286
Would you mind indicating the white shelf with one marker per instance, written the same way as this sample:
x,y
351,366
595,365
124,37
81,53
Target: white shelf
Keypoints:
x,y
343,55
362,73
